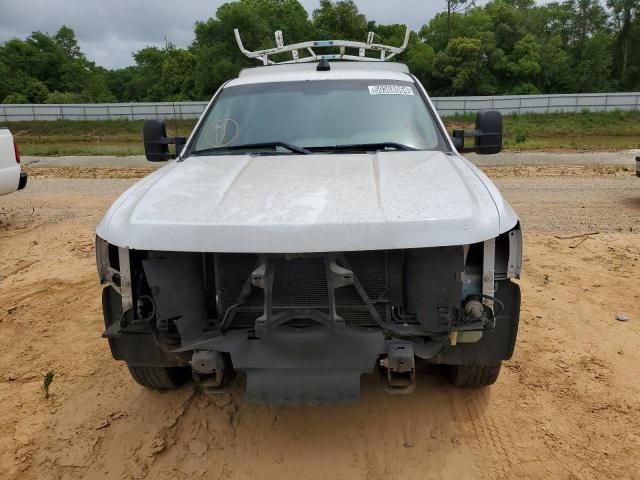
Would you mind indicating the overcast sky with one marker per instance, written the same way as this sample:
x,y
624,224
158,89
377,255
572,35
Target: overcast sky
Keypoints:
x,y
110,30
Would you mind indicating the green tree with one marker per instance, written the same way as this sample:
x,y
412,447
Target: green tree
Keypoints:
x,y
63,97
216,55
42,64
36,91
523,66
339,20
96,90
472,24
65,38
458,65
626,23
15,98
454,6
420,59
492,47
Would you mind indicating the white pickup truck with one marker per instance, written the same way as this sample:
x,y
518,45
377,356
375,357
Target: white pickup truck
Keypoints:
x,y
11,176
319,224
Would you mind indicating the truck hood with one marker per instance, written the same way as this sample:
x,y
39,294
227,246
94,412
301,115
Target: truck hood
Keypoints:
x,y
312,203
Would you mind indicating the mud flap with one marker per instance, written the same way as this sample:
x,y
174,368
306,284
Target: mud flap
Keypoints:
x,y
302,366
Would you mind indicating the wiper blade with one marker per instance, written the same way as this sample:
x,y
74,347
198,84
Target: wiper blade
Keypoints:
x,y
366,147
253,146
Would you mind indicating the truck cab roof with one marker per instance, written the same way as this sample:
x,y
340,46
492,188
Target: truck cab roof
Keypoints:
x,y
308,71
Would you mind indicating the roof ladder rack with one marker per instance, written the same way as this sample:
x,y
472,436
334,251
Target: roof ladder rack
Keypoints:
x,y
386,51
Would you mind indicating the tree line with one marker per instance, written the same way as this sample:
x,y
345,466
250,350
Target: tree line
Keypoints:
x,y
500,47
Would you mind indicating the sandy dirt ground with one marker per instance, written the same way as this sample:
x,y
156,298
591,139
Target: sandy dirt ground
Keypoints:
x,y
565,407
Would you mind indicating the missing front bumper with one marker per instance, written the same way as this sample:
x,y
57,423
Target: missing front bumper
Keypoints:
x,y
301,366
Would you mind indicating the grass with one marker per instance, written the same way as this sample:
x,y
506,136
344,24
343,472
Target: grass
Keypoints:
x,y
92,137
566,131
555,131
55,149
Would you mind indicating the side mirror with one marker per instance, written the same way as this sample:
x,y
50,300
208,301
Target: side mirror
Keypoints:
x,y
156,142
487,135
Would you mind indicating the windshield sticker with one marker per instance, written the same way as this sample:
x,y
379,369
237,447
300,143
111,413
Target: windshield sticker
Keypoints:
x,y
390,90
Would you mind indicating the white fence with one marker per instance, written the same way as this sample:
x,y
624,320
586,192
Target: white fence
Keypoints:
x,y
446,106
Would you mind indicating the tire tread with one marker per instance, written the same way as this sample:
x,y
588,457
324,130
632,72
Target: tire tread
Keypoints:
x,y
159,378
474,375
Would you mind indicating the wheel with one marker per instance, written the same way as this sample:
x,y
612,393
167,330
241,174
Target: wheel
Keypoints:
x,y
160,378
473,375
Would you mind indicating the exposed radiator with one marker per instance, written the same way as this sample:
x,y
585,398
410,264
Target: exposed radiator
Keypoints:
x,y
301,282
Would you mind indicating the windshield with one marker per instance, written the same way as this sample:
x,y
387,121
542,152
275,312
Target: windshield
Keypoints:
x,y
317,114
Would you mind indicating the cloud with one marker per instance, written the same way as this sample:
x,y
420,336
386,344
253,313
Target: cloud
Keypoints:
x,y
109,32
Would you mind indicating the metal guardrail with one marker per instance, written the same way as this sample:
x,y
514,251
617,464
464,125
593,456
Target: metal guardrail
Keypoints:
x,y
515,104
446,106
101,111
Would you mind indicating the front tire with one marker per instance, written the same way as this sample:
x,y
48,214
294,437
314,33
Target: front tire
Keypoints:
x,y
473,376
160,378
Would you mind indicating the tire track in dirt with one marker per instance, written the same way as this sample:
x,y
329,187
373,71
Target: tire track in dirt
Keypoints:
x,y
487,435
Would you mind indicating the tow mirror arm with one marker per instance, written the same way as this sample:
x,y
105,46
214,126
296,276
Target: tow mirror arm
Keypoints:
x,y
459,134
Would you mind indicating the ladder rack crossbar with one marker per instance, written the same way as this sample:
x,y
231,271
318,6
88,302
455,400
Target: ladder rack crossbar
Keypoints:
x,y
386,51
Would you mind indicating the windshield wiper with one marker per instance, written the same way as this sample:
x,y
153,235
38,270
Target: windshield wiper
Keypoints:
x,y
367,147
253,146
